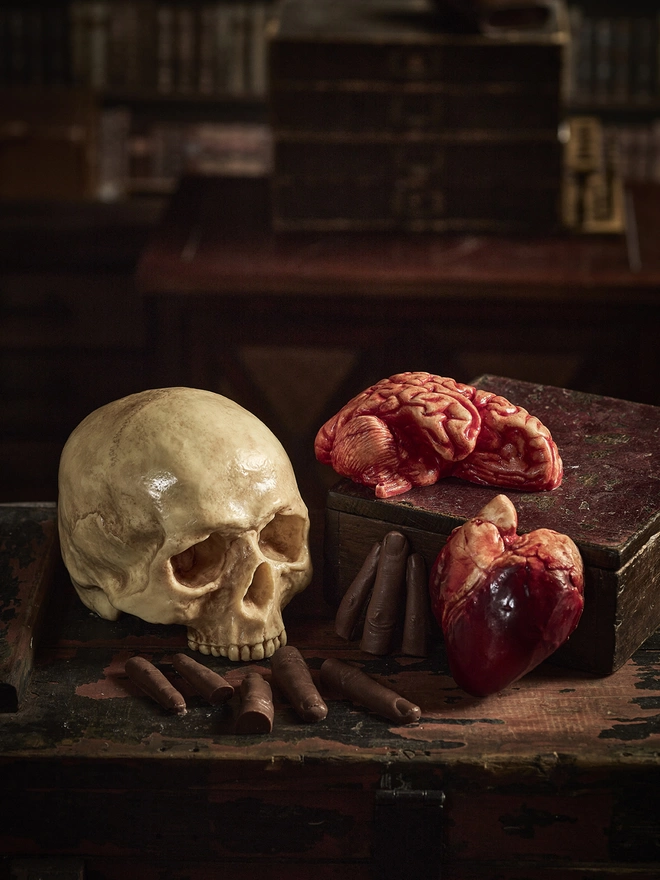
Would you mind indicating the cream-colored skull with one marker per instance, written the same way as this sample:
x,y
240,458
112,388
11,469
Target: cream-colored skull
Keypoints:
x,y
179,506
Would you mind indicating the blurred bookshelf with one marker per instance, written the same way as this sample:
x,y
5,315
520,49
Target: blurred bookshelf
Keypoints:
x,y
160,88
146,90
614,76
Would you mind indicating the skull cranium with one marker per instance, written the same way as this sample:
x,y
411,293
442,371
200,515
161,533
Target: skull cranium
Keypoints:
x,y
179,506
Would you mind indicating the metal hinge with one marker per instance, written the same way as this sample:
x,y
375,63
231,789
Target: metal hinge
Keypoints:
x,y
407,838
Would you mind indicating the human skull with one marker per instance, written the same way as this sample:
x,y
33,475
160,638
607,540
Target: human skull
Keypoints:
x,y
179,506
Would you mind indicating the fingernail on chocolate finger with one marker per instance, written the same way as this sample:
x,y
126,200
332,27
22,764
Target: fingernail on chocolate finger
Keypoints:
x,y
417,620
360,688
152,681
292,676
257,712
386,603
208,684
350,614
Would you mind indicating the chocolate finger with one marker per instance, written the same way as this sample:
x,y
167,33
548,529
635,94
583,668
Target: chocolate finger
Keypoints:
x,y
152,681
360,688
352,607
208,684
385,605
291,674
256,713
417,620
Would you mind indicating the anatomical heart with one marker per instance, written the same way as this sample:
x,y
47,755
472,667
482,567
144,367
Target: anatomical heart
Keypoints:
x,y
505,601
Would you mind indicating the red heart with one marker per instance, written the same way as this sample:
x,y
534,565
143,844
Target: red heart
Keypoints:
x,y
505,602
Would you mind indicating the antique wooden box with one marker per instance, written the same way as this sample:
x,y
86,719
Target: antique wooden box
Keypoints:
x,y
608,503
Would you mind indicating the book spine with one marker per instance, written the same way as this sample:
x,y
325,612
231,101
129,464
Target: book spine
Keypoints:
x,y
621,59
644,54
118,43
602,59
112,172
522,161
638,149
98,34
79,42
206,80
358,207
237,84
583,36
165,42
592,190
35,45
450,63
429,108
185,50
257,49
5,46
223,40
17,27
57,60
402,187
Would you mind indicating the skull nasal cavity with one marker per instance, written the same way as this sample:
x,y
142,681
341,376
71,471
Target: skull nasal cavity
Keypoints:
x,y
201,563
260,592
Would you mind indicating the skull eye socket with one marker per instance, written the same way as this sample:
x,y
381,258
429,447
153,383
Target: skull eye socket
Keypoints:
x,y
201,563
283,538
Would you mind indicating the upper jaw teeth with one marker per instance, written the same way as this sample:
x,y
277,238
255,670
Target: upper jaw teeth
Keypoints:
x,y
260,651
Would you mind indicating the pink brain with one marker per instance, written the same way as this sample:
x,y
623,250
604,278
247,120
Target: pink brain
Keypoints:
x,y
415,428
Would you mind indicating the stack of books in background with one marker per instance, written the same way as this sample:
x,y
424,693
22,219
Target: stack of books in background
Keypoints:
x,y
123,65
384,120
615,73
615,57
593,190
384,114
199,48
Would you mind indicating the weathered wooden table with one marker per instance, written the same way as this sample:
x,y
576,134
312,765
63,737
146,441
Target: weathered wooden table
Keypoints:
x,y
557,777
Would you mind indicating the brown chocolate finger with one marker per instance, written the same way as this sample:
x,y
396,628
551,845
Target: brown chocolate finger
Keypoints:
x,y
352,607
417,620
152,681
351,682
257,712
291,674
208,684
385,605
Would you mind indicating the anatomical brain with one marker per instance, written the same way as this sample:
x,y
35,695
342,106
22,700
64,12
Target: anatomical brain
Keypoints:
x,y
179,506
416,428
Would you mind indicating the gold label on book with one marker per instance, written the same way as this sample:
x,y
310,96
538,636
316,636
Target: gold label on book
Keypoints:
x,y
592,188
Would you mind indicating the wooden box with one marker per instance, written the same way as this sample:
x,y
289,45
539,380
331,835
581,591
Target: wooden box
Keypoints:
x,y
608,503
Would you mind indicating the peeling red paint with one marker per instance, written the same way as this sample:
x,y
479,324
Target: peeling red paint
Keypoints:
x,y
114,682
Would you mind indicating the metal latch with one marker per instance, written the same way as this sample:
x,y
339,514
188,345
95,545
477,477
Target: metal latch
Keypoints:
x,y
407,836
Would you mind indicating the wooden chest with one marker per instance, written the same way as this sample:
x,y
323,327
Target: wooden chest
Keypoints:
x,y
608,503
554,779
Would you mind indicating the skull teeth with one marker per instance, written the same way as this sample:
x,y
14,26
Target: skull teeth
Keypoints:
x,y
260,651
